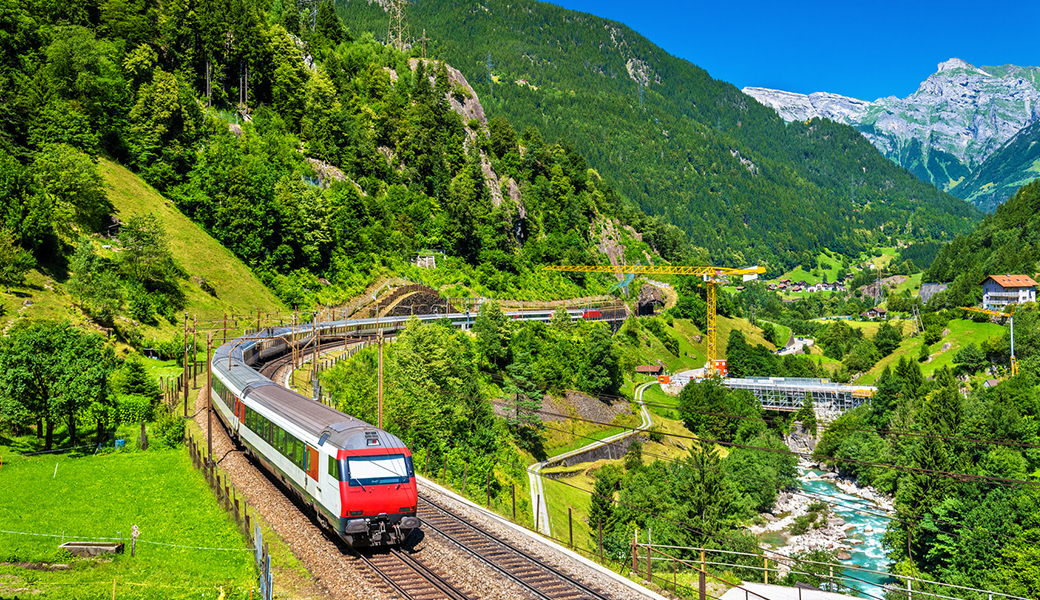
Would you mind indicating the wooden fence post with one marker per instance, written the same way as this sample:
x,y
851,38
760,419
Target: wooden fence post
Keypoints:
x,y
570,526
600,527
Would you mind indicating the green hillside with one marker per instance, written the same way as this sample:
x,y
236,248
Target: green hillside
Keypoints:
x,y
1005,242
680,144
1015,164
235,289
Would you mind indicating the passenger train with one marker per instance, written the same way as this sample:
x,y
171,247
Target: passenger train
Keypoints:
x,y
358,479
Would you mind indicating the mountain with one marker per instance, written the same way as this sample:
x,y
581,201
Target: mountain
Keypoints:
x,y
944,132
1013,165
1004,242
695,150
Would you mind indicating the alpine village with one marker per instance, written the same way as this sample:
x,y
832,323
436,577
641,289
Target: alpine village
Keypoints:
x,y
365,300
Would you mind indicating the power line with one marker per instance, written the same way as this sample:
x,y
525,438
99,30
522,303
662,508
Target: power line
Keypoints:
x,y
964,477
877,514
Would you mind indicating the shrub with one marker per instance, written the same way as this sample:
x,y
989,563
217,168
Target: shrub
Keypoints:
x,y
803,523
133,408
169,430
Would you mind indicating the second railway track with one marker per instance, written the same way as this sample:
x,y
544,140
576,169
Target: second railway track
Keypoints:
x,y
530,572
410,578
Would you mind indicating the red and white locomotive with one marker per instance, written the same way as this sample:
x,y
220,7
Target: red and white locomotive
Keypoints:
x,y
357,478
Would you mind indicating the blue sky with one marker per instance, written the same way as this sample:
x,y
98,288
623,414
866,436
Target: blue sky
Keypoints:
x,y
862,49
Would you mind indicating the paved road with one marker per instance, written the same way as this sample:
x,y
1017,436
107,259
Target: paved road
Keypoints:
x,y
541,521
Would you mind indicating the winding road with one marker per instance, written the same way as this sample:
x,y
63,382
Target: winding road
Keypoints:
x,y
538,499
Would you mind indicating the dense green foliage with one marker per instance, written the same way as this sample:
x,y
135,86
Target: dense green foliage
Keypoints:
x,y
700,499
441,384
977,533
319,159
715,162
55,373
1007,241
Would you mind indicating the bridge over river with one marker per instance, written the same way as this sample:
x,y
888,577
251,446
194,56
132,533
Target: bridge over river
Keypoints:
x,y
788,393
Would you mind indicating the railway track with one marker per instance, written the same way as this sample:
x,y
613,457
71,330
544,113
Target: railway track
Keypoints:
x,y
528,571
409,578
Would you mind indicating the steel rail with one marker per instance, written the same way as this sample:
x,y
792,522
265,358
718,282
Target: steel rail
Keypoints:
x,y
584,589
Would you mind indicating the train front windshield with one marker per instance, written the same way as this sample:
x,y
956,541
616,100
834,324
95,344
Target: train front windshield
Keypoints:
x,y
387,469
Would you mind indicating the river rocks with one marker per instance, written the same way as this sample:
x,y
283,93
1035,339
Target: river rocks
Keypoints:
x,y
843,556
835,522
768,517
868,529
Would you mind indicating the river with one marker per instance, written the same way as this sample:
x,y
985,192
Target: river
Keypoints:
x,y
859,532
866,549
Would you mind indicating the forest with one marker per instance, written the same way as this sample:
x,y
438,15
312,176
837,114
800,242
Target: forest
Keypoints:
x,y
678,143
320,159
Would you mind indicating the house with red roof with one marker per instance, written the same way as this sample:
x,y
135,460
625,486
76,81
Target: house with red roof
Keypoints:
x,y
998,291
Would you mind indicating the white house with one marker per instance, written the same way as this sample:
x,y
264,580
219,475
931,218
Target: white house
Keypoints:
x,y
1000,290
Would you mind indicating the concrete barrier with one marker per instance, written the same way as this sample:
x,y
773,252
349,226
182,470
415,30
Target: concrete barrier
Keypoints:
x,y
92,548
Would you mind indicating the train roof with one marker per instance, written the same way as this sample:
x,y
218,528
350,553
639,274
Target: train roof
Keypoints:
x,y
316,419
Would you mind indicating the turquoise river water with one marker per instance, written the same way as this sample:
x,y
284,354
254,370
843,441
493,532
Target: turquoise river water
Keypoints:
x,y
867,550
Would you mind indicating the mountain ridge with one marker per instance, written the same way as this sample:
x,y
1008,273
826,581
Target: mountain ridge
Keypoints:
x,y
685,146
945,131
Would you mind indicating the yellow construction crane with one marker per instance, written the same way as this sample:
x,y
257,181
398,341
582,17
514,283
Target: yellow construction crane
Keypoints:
x,y
1011,324
710,275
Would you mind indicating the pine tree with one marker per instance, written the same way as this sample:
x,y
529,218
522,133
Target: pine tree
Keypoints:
x,y
601,505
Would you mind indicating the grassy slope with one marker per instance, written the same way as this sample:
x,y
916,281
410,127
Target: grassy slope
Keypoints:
x,y
237,289
962,333
101,496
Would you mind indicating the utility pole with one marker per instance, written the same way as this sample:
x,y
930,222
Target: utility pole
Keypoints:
x,y
379,385
185,374
423,41
398,28
209,396
195,351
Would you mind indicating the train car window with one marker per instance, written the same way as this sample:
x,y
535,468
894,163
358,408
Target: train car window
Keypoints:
x,y
301,454
290,448
333,468
281,440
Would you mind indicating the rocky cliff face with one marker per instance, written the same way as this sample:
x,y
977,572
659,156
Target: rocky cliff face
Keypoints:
x,y
944,131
